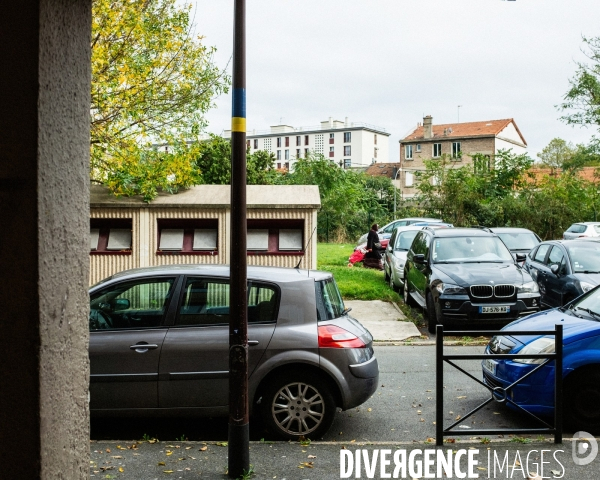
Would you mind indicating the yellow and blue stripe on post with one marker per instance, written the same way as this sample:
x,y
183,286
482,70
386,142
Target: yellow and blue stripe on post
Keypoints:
x,y
238,116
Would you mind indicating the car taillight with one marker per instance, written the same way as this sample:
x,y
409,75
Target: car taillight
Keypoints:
x,y
332,336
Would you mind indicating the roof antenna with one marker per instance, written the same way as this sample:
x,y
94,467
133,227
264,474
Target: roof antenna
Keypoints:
x,y
304,253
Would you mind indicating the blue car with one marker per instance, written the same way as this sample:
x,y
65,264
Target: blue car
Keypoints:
x,y
581,362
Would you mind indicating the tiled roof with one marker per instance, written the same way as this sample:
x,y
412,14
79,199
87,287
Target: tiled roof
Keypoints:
x,y
467,129
382,169
586,173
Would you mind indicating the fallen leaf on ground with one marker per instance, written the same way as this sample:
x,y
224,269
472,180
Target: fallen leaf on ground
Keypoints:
x,y
161,464
221,444
312,456
203,449
121,469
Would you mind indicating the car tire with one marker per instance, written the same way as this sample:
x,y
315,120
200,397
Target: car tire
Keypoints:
x,y
386,277
392,284
298,404
432,318
581,400
408,300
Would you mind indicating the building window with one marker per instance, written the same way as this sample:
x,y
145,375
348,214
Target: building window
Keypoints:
x,y
187,236
375,139
347,137
347,151
287,141
409,179
306,153
408,152
456,153
278,154
110,235
287,165
375,152
418,147
331,151
305,139
278,142
298,153
279,166
255,143
287,154
347,162
331,138
275,236
437,150
247,143
298,140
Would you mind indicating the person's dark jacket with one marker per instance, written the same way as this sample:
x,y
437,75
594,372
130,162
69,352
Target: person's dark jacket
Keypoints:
x,y
373,245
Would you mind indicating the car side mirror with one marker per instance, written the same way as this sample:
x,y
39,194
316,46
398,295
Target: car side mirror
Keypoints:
x,y
120,304
420,259
554,269
520,257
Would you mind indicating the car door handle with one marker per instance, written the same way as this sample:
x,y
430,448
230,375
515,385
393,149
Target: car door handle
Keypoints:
x,y
143,347
252,342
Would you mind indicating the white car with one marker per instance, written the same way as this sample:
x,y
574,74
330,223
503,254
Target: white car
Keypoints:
x,y
395,255
401,222
582,229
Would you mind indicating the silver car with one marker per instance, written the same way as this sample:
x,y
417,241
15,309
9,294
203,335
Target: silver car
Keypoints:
x,y
387,230
395,255
582,229
159,346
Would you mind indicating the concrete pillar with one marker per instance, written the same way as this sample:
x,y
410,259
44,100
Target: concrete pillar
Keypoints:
x,y
44,231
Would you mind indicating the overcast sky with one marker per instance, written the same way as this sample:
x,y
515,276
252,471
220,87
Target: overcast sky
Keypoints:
x,y
389,62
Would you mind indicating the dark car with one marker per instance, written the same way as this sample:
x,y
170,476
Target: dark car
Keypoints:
x,y
518,240
581,363
159,345
466,275
564,269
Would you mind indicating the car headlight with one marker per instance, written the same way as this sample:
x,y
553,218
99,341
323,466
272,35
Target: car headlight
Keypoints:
x,y
450,289
539,346
529,287
586,287
398,263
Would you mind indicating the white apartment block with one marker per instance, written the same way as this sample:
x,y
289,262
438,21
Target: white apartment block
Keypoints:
x,y
349,145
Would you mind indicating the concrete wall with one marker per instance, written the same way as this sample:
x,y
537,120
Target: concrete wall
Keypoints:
x,y
44,177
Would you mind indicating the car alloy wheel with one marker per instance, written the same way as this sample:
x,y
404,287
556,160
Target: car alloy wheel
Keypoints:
x,y
581,399
391,280
406,294
297,405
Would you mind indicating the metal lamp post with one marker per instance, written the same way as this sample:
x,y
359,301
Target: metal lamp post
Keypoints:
x,y
398,170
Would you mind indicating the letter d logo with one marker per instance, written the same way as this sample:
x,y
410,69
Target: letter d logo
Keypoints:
x,y
585,448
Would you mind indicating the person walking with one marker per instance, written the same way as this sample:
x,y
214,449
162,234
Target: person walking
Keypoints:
x,y
374,250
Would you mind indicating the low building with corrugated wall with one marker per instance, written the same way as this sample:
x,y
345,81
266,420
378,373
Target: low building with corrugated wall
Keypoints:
x,y
194,227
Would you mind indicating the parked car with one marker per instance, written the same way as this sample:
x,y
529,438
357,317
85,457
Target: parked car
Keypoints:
x,y
159,345
582,229
466,275
564,269
581,363
387,230
518,240
397,248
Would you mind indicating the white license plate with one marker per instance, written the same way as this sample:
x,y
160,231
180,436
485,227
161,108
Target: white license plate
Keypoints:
x,y
490,365
494,309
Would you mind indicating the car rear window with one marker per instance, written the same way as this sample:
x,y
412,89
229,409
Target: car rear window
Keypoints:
x,y
405,239
329,300
519,241
585,258
576,228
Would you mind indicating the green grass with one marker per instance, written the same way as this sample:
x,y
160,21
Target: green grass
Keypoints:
x,y
357,282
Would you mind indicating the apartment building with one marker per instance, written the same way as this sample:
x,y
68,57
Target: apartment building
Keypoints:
x,y
456,141
349,145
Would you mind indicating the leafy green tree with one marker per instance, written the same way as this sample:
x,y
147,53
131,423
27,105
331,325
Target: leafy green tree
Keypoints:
x,y
557,153
152,82
582,101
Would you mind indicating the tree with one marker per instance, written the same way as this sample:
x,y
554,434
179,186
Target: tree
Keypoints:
x,y
557,153
213,159
152,82
583,98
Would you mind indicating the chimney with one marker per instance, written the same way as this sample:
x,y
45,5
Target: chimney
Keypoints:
x,y
428,126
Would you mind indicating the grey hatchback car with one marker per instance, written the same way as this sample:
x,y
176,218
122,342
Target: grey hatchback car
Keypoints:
x,y
159,346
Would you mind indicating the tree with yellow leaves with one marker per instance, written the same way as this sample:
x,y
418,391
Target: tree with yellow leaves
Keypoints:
x,y
152,83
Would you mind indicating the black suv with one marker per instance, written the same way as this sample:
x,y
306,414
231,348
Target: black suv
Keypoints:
x,y
464,274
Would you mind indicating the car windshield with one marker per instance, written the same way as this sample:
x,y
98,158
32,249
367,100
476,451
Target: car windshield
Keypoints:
x,y
470,249
329,300
585,258
589,303
519,241
404,239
